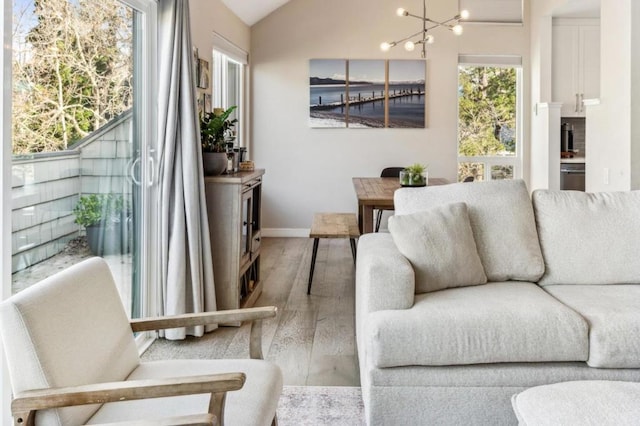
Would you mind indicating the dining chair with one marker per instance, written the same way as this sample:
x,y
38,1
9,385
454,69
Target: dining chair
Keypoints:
x,y
72,360
386,172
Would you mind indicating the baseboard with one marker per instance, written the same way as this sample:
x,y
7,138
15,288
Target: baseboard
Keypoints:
x,y
286,232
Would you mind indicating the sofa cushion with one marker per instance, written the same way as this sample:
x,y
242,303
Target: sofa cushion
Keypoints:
x,y
440,246
494,322
501,218
589,402
613,313
589,238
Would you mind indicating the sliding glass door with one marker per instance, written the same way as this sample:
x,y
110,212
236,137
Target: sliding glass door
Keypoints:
x,y
82,141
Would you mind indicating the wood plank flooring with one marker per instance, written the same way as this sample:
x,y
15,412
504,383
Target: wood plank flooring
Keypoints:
x,y
312,338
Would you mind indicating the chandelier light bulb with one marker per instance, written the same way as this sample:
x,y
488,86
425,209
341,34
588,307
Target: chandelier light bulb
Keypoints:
x,y
452,24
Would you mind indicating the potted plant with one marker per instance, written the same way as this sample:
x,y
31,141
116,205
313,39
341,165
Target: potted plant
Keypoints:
x,y
216,130
415,175
102,216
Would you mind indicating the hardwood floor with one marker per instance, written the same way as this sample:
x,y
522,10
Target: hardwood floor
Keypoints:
x,y
312,338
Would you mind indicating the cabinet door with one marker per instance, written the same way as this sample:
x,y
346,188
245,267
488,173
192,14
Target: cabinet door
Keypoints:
x,y
590,52
565,68
246,230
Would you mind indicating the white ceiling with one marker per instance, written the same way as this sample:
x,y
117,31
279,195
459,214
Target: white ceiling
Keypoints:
x,y
251,11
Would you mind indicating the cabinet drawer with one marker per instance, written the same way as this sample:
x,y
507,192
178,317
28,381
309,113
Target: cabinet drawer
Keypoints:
x,y
255,244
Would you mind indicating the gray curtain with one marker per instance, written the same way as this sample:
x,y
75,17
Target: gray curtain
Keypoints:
x,y
186,272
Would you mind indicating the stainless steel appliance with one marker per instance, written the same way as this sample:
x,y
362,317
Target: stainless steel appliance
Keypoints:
x,y
566,137
572,176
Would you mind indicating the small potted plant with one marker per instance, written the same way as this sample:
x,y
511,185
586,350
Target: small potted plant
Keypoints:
x,y
216,130
102,216
415,175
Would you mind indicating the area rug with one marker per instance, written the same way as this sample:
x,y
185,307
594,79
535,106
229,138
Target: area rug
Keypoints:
x,y
321,405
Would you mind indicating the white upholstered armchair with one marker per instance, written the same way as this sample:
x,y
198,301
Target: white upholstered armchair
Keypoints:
x,y
73,360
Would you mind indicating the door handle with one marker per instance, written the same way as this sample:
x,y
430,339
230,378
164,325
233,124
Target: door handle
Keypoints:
x,y
132,171
577,108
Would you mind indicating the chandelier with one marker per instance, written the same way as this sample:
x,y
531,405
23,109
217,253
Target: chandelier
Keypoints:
x,y
428,24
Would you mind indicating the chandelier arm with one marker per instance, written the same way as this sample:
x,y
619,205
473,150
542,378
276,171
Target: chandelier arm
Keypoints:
x,y
443,23
450,24
412,15
407,38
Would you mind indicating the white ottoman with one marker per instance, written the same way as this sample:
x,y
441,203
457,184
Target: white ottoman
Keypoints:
x,y
581,403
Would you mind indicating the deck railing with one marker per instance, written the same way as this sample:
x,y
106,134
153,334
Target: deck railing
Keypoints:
x,y
46,187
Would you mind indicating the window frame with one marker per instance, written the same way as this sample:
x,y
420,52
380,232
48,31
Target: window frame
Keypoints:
x,y
517,160
225,52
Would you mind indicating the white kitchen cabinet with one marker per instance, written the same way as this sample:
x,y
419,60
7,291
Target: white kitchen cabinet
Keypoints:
x,y
575,64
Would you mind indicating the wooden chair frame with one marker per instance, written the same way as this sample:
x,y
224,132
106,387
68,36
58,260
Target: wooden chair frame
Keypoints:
x,y
26,404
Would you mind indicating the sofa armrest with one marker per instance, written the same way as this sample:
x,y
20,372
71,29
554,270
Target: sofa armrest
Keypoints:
x,y
384,277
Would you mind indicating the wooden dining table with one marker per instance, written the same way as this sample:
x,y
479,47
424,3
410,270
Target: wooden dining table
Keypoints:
x,y
374,192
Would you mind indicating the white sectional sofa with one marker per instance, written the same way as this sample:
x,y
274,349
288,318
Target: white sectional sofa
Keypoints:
x,y
480,291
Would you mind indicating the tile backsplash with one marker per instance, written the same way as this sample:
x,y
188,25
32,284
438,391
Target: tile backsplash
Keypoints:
x,y
578,133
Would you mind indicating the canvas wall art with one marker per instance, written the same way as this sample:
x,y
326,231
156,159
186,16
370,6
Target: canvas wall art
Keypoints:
x,y
367,93
407,94
327,93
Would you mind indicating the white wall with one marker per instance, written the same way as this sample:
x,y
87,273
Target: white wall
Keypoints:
x,y
208,16
544,169
611,124
635,94
310,170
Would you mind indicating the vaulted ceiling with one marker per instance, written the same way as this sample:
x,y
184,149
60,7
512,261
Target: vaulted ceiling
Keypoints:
x,y
251,11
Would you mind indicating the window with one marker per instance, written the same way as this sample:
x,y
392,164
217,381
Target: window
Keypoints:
x,y
489,118
229,63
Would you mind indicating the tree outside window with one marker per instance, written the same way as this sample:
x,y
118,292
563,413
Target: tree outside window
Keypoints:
x,y
486,119
72,70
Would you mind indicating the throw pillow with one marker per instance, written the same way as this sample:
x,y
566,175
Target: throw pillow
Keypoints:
x,y
439,244
502,220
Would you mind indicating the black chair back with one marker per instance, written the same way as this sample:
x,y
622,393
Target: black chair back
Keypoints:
x,y
391,172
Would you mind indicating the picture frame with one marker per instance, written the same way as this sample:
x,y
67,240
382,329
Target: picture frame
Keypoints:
x,y
195,64
203,74
207,102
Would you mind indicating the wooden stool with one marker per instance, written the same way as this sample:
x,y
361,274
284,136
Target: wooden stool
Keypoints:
x,y
332,225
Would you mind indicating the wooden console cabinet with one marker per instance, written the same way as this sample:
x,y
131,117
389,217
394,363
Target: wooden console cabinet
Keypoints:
x,y
233,207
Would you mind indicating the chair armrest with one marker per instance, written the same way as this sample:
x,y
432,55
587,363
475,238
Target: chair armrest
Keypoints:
x,y
204,318
192,420
256,315
25,404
